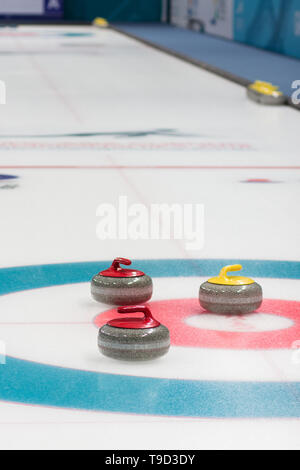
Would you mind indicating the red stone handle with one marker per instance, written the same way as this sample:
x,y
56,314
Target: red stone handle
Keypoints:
x,y
116,263
115,270
138,309
134,322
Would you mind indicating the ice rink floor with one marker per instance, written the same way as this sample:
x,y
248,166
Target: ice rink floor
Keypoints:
x,y
92,115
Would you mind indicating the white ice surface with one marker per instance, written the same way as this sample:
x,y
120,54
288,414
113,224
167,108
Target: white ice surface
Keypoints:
x,y
60,85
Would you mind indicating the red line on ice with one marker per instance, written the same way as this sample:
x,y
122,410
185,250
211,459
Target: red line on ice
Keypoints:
x,y
145,167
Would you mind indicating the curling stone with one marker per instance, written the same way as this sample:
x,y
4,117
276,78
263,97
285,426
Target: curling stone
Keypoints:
x,y
134,339
230,294
100,22
265,93
120,286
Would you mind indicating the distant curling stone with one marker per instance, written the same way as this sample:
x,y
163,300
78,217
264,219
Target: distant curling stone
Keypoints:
x,y
227,295
134,339
120,286
265,93
100,23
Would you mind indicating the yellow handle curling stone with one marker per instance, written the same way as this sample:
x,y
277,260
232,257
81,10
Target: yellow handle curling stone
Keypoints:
x,y
230,295
265,93
100,22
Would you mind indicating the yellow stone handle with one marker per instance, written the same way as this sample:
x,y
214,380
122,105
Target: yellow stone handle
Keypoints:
x,y
226,269
265,88
226,280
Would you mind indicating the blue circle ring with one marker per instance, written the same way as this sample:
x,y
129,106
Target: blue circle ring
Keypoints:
x,y
33,383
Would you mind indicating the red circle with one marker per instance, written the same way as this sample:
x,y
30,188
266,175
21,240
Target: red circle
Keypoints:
x,y
173,313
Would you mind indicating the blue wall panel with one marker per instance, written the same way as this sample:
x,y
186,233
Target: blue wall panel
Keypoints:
x,y
114,10
271,24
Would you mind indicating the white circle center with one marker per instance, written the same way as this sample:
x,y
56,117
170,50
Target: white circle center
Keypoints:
x,y
252,323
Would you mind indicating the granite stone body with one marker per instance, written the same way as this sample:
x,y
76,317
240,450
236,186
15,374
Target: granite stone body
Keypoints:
x,y
130,344
226,299
121,290
262,98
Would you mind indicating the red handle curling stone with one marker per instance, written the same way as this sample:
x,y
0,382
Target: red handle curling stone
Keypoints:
x,y
121,286
133,338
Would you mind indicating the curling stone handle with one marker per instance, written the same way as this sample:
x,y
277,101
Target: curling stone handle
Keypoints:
x,y
226,280
117,261
226,269
137,309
